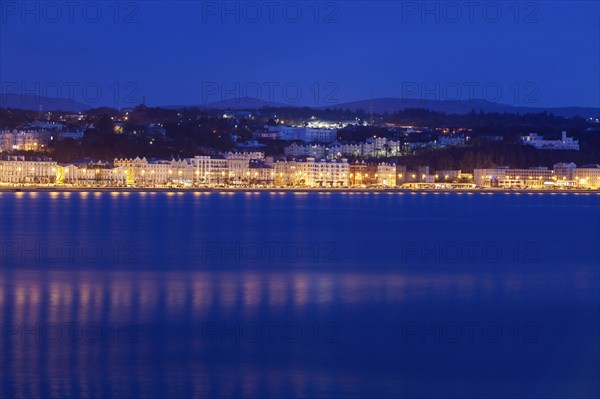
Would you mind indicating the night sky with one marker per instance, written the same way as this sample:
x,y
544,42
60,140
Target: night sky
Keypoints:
x,y
543,53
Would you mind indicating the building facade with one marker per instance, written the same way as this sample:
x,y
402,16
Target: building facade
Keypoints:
x,y
537,141
312,173
22,170
513,178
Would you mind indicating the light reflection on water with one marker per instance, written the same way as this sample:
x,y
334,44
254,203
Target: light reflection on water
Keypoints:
x,y
362,302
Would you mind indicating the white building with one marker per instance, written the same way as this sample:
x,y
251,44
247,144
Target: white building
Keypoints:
x,y
312,135
237,170
312,173
296,150
290,132
307,134
505,177
587,176
141,172
209,171
343,149
92,176
564,171
18,169
380,147
386,175
537,141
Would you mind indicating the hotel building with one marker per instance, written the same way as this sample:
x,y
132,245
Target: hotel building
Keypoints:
x,y
386,175
141,172
312,173
92,175
513,178
588,176
21,170
209,171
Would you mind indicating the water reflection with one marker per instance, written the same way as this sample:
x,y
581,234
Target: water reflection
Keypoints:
x,y
171,326
169,308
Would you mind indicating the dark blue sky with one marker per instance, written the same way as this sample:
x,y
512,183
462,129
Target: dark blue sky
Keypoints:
x,y
542,53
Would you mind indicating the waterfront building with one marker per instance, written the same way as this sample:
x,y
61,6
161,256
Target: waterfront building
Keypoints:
x,y
261,175
31,170
505,177
372,174
563,175
587,176
144,173
416,174
92,175
209,171
289,174
564,171
386,175
327,173
238,170
358,173
447,175
312,173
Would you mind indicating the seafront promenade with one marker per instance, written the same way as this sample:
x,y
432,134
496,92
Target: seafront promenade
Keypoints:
x,y
485,190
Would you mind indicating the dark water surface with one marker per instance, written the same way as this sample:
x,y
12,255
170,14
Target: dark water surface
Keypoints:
x,y
272,295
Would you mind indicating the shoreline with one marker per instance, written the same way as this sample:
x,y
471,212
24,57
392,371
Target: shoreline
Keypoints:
x,y
25,189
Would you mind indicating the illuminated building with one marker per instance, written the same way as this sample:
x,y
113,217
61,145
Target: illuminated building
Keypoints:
x,y
312,173
386,175
537,141
209,171
513,178
92,175
587,176
18,169
141,172
297,150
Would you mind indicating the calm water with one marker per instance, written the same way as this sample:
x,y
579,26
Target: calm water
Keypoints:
x,y
275,295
